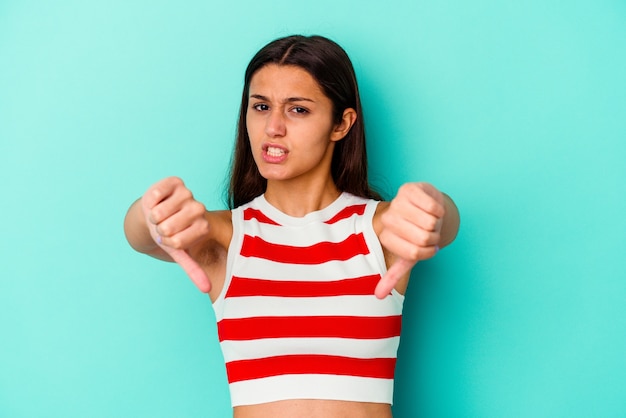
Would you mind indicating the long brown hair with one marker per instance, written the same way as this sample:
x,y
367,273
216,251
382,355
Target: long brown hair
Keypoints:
x,y
331,67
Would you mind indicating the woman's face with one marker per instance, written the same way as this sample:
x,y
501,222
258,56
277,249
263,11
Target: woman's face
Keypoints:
x,y
290,124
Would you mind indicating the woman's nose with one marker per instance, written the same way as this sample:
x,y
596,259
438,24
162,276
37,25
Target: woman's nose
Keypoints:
x,y
275,125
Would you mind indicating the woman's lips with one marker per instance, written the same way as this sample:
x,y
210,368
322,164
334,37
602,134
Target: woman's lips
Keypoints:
x,y
274,153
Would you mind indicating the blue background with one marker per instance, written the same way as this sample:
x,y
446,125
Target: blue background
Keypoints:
x,y
516,109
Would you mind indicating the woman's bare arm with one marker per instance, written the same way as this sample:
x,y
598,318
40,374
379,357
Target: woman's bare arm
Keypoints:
x,y
169,224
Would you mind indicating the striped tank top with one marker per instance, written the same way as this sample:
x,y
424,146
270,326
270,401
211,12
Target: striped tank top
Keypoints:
x,y
297,317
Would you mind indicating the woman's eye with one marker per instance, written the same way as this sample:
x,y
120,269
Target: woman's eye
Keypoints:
x,y
260,107
299,110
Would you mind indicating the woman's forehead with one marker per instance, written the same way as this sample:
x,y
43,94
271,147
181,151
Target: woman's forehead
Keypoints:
x,y
284,81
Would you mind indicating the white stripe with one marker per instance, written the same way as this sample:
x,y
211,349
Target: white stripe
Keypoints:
x,y
319,216
346,388
303,236
241,307
345,347
360,265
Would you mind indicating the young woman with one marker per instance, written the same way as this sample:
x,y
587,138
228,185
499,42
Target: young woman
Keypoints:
x,y
308,269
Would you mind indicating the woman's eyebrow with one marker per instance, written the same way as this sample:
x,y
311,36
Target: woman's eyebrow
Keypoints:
x,y
299,99
259,97
288,100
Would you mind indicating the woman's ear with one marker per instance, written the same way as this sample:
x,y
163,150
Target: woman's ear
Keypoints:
x,y
342,128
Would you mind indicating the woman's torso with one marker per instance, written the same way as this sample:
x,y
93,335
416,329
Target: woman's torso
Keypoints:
x,y
215,265
314,408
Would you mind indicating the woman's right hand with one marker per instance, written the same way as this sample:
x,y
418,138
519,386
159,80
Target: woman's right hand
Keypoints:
x,y
177,222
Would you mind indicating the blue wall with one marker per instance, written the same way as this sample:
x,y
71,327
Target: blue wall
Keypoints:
x,y
518,110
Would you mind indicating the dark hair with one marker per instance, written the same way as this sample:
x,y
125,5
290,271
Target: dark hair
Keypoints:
x,y
331,67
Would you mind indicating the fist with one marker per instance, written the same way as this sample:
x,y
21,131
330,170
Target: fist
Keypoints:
x,y
175,219
176,222
412,223
411,230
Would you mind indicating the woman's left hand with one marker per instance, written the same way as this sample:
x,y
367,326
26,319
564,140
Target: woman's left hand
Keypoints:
x,y
411,230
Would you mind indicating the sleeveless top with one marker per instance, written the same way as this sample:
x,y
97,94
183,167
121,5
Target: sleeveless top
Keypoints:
x,y
297,317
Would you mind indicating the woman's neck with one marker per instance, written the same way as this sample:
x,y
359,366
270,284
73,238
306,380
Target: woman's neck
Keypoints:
x,y
297,200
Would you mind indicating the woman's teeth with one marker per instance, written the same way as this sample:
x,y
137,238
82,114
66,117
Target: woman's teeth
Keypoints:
x,y
275,152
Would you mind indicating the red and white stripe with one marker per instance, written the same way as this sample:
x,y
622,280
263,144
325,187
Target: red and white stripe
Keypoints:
x,y
297,317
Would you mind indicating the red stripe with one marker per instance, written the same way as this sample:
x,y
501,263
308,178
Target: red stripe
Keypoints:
x,y
357,327
251,213
239,370
315,254
242,286
346,213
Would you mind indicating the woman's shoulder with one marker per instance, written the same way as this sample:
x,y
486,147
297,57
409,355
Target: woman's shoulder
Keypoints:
x,y
220,226
381,208
210,249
